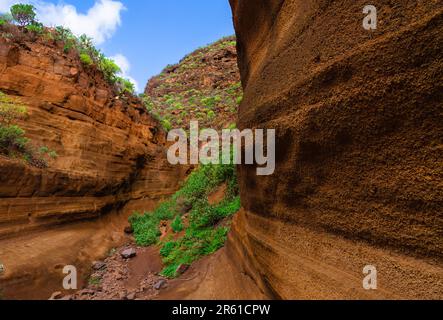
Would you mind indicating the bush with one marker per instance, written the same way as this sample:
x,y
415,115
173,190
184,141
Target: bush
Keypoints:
x,y
166,125
109,68
126,86
35,27
23,14
12,138
211,115
10,110
177,225
86,59
5,18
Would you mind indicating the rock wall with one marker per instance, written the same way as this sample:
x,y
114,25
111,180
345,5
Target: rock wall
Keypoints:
x,y
359,177
111,153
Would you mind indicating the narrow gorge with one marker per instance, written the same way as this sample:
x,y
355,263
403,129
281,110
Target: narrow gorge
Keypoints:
x,y
358,178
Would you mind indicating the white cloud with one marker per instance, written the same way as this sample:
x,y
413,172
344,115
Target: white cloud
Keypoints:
x,y
125,66
6,4
99,22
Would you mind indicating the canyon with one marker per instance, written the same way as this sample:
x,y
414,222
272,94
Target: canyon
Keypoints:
x,y
358,176
110,162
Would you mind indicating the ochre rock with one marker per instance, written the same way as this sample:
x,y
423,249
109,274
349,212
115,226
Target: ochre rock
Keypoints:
x,y
358,118
111,153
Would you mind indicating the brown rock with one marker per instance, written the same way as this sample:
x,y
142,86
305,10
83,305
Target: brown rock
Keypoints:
x,y
129,253
160,284
98,265
89,130
358,171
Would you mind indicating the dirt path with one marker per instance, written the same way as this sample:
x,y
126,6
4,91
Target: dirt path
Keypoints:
x,y
34,263
213,277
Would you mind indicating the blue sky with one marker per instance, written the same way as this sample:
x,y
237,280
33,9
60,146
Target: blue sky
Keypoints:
x,y
142,35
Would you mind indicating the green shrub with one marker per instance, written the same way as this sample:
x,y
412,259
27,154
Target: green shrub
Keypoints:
x,y
10,110
177,225
146,229
170,271
35,27
52,154
166,125
5,18
63,34
167,248
86,59
12,138
126,86
23,14
109,68
211,115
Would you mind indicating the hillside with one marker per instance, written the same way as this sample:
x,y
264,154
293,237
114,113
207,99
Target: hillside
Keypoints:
x,y
204,86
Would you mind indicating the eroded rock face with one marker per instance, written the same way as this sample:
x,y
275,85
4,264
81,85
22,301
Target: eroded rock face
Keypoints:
x,y
358,177
110,151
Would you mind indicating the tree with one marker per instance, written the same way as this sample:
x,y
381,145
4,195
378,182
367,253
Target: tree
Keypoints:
x,y
23,14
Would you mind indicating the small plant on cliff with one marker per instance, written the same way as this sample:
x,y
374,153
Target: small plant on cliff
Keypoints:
x,y
5,18
86,59
125,85
12,137
35,27
23,14
109,68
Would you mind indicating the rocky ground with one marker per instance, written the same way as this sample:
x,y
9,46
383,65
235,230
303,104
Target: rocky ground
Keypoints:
x,y
129,273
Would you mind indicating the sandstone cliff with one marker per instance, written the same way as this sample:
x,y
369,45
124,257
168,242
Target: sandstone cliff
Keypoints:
x,y
358,177
110,151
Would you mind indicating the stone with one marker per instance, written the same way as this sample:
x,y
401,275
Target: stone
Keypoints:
x,y
131,296
128,253
160,284
98,265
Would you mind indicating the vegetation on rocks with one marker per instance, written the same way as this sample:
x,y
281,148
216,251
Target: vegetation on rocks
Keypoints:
x,y
207,226
13,142
24,16
204,86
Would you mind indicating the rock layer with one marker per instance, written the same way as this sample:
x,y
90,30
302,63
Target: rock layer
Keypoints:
x,y
358,176
110,151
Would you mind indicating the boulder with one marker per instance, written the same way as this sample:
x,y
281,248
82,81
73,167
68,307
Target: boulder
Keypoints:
x,y
128,253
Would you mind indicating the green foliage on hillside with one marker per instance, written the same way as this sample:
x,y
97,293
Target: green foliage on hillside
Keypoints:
x,y
13,142
205,86
205,232
24,15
